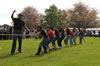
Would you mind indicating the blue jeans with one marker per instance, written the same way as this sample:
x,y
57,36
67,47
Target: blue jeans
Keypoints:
x,y
42,43
71,42
81,38
15,40
74,39
51,40
66,39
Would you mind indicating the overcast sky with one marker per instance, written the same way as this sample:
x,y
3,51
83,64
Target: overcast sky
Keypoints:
x,y
7,6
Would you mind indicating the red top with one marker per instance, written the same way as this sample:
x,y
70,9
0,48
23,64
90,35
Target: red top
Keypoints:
x,y
50,33
72,33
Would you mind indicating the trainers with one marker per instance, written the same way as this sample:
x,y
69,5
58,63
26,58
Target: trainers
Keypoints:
x,y
50,49
59,47
54,48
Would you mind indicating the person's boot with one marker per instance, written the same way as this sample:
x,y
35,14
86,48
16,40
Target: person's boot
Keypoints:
x,y
19,50
45,51
39,50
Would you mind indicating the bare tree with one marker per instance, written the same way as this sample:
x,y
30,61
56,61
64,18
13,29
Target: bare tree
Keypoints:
x,y
31,17
82,16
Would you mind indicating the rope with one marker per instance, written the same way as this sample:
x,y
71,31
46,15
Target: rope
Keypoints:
x,y
16,35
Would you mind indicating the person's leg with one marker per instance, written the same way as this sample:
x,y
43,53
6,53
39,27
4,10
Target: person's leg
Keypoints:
x,y
39,50
71,42
61,42
20,43
45,49
53,42
81,37
44,45
48,42
14,44
40,46
58,42
74,39
66,40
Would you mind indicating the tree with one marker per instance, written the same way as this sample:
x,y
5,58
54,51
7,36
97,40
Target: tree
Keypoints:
x,y
81,16
31,17
42,21
52,17
63,19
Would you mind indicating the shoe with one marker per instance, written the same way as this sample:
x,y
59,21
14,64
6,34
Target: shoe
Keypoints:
x,y
59,47
54,48
50,49
37,54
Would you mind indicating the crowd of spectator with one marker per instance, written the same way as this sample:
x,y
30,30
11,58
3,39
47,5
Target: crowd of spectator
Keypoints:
x,y
6,29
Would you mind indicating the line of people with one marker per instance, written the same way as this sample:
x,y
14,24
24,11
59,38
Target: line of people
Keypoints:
x,y
52,35
49,36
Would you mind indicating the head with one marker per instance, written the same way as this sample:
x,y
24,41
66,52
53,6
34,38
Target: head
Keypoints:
x,y
74,28
60,28
20,16
79,29
48,28
52,28
39,28
67,27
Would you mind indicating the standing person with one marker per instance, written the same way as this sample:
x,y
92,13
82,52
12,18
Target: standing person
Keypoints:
x,y
68,36
81,35
18,25
76,35
51,38
61,37
56,33
44,40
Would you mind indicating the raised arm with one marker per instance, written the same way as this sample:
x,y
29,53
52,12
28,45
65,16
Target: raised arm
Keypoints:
x,y
12,16
26,28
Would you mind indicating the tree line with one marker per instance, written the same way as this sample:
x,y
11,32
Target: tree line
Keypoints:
x,y
80,16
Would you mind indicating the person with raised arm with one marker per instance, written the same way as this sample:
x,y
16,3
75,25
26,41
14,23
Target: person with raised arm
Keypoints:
x,y
18,24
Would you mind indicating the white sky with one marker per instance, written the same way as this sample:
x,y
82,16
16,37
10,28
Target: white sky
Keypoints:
x,y
7,6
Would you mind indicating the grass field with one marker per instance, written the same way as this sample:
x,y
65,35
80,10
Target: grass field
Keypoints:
x,y
87,54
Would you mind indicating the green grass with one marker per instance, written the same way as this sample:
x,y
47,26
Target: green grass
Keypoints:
x,y
87,54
